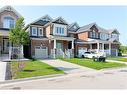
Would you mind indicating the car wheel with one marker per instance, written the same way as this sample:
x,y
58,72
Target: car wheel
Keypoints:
x,y
82,56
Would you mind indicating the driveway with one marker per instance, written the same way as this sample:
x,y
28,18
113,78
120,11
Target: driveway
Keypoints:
x,y
2,70
67,67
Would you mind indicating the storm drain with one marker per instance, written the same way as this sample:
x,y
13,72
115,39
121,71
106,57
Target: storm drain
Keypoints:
x,y
123,71
16,88
87,76
108,73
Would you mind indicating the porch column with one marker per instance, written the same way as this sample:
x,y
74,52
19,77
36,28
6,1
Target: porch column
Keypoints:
x,y
72,44
72,49
98,47
109,48
103,47
54,49
90,46
54,43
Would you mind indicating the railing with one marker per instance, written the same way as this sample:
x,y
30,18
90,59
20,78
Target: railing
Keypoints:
x,y
59,53
107,51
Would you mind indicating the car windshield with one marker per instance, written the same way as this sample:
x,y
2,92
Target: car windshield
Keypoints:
x,y
90,53
87,53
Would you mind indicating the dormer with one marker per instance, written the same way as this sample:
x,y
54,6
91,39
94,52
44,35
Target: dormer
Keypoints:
x,y
8,17
73,27
114,34
59,27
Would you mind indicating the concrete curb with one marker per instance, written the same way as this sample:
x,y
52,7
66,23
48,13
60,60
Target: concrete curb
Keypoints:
x,y
32,78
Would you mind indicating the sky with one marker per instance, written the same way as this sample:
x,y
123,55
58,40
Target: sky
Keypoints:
x,y
108,17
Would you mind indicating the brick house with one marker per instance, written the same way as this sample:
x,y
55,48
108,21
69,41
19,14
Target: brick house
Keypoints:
x,y
8,17
94,38
50,38
56,38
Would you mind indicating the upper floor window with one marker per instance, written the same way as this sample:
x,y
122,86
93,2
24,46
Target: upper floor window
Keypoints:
x,y
8,22
34,31
40,32
59,30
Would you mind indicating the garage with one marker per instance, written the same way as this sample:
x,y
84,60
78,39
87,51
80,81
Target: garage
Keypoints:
x,y
41,52
81,50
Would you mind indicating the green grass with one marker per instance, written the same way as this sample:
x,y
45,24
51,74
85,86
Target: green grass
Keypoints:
x,y
32,69
95,65
118,59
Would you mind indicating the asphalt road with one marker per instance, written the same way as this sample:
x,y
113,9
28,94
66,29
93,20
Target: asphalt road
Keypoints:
x,y
108,79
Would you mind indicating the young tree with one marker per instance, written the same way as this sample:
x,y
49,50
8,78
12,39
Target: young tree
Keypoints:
x,y
18,35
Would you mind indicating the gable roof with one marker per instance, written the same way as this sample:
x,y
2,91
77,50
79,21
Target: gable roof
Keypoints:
x,y
86,27
9,8
60,20
42,20
73,27
113,30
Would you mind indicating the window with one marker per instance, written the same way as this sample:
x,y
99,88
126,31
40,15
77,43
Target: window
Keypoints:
x,y
90,34
8,22
40,32
34,31
59,30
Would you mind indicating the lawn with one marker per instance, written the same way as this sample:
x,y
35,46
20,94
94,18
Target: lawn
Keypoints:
x,y
118,59
95,65
32,69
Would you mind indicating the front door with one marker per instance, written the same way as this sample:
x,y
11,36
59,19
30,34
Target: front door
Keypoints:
x,y
5,46
59,45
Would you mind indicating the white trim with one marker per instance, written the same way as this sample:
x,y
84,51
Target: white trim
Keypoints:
x,y
39,38
60,18
42,18
32,31
41,31
9,8
62,26
62,38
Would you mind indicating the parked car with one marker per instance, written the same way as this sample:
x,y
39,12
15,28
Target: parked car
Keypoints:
x,y
93,54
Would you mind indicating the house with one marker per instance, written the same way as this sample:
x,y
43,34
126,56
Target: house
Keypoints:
x,y
94,38
56,38
8,17
49,38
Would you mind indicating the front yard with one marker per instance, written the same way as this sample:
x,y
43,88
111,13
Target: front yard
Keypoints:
x,y
118,59
32,69
95,65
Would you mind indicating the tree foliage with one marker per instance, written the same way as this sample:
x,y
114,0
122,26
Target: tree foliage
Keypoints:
x,y
18,34
123,49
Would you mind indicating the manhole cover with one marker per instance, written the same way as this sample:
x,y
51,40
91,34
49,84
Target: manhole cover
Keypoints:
x,y
16,88
108,73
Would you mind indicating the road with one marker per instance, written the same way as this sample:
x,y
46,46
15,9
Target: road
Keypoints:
x,y
107,79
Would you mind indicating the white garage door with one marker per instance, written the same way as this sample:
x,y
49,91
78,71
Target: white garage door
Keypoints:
x,y
41,52
81,51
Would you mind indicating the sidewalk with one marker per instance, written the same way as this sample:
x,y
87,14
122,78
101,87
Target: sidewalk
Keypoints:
x,y
2,70
67,67
116,61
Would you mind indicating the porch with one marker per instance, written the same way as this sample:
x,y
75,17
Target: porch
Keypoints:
x,y
61,47
96,45
106,47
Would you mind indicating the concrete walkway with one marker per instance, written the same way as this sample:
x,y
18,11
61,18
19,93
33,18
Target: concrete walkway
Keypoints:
x,y
116,61
2,70
67,67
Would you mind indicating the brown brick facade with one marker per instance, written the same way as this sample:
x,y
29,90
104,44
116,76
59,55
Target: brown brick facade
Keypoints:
x,y
35,43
